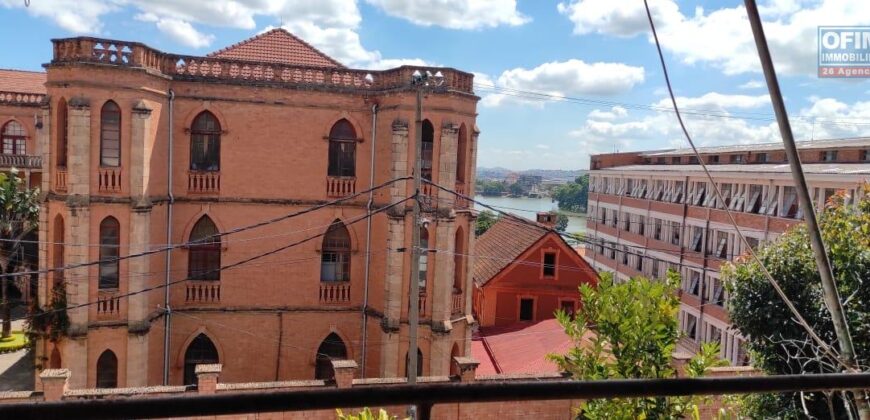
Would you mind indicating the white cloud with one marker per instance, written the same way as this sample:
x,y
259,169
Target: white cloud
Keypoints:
x,y
83,18
542,146
722,37
752,84
824,118
184,33
714,101
560,79
455,14
614,113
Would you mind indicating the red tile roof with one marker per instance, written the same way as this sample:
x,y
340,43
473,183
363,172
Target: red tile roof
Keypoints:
x,y
501,244
22,81
520,348
277,46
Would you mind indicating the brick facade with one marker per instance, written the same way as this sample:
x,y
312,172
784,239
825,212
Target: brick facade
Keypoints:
x,y
265,319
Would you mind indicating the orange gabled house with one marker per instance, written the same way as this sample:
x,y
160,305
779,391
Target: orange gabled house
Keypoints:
x,y
524,272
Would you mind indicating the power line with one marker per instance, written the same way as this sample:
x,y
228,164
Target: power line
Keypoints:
x,y
748,116
207,239
225,267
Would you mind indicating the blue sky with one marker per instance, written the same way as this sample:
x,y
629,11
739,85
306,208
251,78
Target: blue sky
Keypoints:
x,y
597,53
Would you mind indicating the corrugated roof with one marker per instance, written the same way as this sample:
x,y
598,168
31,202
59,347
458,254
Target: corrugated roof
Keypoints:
x,y
522,347
810,168
22,81
502,244
277,46
763,147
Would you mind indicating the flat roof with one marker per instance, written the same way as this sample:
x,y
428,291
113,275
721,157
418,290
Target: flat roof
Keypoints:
x,y
810,168
762,147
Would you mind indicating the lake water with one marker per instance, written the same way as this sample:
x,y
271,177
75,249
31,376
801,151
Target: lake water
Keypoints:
x,y
529,207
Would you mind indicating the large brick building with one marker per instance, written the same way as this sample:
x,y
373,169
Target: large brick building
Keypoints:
x,y
142,148
651,211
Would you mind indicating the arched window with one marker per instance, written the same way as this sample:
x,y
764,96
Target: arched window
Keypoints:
x,y
204,257
332,348
428,150
459,261
54,362
424,258
107,370
342,149
201,351
205,143
110,135
14,138
461,150
419,362
58,250
62,131
335,257
110,242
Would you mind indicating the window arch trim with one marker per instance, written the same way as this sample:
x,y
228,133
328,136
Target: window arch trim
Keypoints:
x,y
109,251
107,356
204,259
110,148
17,141
205,142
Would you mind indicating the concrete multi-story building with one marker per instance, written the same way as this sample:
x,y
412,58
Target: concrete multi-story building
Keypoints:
x,y
653,211
143,148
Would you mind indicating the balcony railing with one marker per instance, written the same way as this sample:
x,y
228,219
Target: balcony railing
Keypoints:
x,y
460,202
202,291
108,304
203,182
421,304
21,161
211,398
332,293
184,67
109,180
60,179
457,302
340,186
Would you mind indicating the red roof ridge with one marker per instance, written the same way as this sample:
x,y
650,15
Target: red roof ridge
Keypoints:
x,y
22,71
282,31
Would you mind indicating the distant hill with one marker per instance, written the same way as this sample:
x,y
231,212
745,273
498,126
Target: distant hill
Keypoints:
x,y
499,173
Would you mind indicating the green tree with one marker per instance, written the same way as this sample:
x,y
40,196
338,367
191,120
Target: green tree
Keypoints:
x,y
629,330
491,188
516,189
779,345
485,220
574,195
19,215
561,222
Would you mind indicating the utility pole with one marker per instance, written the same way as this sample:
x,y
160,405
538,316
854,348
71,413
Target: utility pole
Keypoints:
x,y
421,81
829,286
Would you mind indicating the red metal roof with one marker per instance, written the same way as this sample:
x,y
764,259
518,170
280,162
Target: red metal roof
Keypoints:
x,y
277,46
22,81
520,348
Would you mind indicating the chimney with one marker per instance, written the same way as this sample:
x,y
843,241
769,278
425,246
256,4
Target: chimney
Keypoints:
x,y
54,383
344,372
207,378
467,368
547,219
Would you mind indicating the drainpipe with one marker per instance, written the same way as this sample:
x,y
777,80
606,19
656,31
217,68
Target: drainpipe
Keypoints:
x,y
167,324
368,239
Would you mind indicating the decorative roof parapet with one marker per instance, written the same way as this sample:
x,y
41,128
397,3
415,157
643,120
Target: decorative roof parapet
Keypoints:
x,y
185,67
21,98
